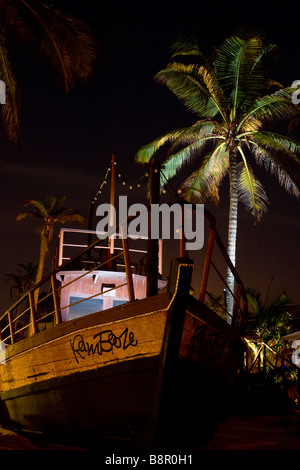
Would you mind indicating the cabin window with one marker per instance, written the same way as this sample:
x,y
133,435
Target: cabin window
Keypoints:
x,y
84,308
119,302
108,287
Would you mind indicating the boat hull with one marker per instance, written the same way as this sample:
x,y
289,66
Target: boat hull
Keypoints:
x,y
111,403
114,399
146,373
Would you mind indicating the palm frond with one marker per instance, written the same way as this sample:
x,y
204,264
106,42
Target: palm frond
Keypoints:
x,y
278,142
23,215
51,211
188,86
255,300
11,108
186,47
177,160
55,204
146,152
239,71
267,57
278,160
73,218
276,107
205,181
66,42
192,142
200,131
80,42
250,190
38,205
216,93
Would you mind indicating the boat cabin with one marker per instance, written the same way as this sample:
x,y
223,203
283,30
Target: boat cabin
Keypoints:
x,y
80,291
98,285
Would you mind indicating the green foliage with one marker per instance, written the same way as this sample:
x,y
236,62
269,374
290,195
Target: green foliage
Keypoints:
x,y
65,42
234,100
51,211
269,353
271,318
12,108
236,104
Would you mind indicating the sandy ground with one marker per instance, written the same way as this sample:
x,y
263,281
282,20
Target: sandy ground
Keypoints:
x,y
234,433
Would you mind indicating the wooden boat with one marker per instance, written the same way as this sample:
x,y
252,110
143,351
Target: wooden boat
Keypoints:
x,y
100,358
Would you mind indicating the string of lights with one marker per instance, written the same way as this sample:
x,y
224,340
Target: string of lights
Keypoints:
x,y
125,182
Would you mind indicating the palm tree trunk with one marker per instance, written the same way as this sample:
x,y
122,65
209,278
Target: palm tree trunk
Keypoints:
x,y
40,270
232,230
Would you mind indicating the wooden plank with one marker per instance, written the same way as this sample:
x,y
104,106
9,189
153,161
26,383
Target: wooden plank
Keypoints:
x,y
86,349
128,310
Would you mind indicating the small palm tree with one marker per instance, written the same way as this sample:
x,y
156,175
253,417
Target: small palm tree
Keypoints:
x,y
271,318
66,43
49,212
270,322
23,279
238,116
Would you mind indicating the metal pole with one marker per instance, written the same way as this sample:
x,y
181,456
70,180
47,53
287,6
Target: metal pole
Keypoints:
x,y
209,249
152,245
160,256
32,312
127,268
11,327
56,300
182,252
111,240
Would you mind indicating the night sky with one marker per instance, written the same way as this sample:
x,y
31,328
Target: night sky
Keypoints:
x,y
67,140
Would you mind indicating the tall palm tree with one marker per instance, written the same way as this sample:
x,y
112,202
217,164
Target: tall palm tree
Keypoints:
x,y
49,212
65,42
240,112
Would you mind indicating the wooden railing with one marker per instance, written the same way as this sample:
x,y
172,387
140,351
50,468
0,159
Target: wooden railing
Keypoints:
x,y
66,243
25,316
